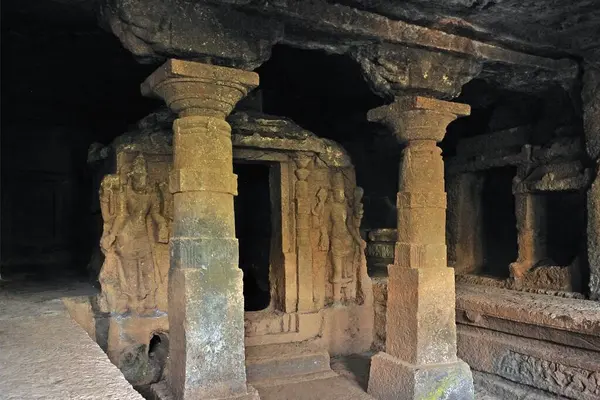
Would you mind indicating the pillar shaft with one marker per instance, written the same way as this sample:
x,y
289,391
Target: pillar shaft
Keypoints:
x,y
206,304
421,330
530,212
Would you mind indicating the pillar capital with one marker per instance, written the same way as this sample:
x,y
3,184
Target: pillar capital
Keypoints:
x,y
418,118
192,88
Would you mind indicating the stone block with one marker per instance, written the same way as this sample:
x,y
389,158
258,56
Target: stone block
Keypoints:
x,y
392,379
206,317
287,360
420,315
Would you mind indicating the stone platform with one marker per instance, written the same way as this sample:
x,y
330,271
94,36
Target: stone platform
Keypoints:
x,y
44,354
545,343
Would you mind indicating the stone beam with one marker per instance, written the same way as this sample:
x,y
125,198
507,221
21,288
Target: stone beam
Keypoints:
x,y
241,34
420,360
206,303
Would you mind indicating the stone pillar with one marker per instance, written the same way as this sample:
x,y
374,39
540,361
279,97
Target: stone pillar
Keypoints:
x,y
420,361
206,303
591,125
530,212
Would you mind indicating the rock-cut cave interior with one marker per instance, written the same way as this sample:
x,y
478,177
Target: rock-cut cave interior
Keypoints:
x,y
251,199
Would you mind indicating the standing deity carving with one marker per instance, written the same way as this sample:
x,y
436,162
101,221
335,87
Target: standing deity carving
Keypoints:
x,y
340,239
357,216
319,214
133,224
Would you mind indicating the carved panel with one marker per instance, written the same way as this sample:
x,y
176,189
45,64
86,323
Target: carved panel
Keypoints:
x,y
551,376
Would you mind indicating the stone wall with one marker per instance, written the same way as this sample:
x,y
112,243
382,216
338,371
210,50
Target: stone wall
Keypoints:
x,y
319,287
539,341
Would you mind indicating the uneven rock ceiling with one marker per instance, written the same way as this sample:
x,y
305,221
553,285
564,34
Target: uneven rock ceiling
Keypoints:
x,y
552,28
523,45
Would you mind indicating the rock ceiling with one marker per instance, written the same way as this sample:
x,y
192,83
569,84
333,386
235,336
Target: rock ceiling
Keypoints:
x,y
550,27
547,27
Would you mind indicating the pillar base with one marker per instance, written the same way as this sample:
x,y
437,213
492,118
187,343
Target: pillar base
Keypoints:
x,y
392,379
160,391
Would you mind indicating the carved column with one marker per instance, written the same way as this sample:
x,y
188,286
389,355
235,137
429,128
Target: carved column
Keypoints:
x,y
420,359
206,303
530,212
305,265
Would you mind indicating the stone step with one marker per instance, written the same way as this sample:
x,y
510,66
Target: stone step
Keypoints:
x,y
290,361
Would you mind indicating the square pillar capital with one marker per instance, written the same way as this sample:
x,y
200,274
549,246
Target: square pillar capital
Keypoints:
x,y
418,118
192,88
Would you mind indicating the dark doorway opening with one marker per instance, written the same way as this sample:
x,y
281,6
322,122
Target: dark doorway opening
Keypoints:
x,y
253,230
566,224
499,222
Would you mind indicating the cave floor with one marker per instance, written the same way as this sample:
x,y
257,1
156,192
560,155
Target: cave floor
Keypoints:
x,y
44,354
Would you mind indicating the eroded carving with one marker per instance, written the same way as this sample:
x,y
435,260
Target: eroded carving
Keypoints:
x,y
131,208
319,215
341,239
551,376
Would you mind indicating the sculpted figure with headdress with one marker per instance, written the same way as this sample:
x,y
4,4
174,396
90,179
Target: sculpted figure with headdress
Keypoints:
x,y
133,224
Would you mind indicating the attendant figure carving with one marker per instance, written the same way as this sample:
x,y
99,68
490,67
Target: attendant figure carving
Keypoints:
x,y
340,239
318,213
131,237
357,216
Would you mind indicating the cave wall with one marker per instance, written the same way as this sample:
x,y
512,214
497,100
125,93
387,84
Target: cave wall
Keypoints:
x,y
63,88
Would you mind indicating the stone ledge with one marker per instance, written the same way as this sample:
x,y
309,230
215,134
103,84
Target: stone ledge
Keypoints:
x,y
574,315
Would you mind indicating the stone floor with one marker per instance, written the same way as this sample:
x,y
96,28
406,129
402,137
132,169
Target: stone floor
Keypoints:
x,y
46,355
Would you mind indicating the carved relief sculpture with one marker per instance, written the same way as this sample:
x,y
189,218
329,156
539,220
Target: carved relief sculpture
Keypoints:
x,y
319,215
341,240
133,224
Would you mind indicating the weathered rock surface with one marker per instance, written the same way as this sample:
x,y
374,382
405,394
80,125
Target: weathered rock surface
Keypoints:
x,y
549,26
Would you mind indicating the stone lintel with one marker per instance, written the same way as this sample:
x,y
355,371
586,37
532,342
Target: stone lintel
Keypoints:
x,y
418,118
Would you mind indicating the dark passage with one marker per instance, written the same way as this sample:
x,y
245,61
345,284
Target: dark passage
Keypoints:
x,y
253,230
565,213
499,222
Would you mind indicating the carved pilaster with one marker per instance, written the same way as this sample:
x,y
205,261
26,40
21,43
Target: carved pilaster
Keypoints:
x,y
304,249
205,282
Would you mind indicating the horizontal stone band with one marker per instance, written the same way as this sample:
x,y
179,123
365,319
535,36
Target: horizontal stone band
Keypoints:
x,y
421,200
412,255
184,180
204,252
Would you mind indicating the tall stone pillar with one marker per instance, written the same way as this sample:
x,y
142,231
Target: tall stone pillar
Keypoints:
x,y
206,303
420,361
591,125
530,210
